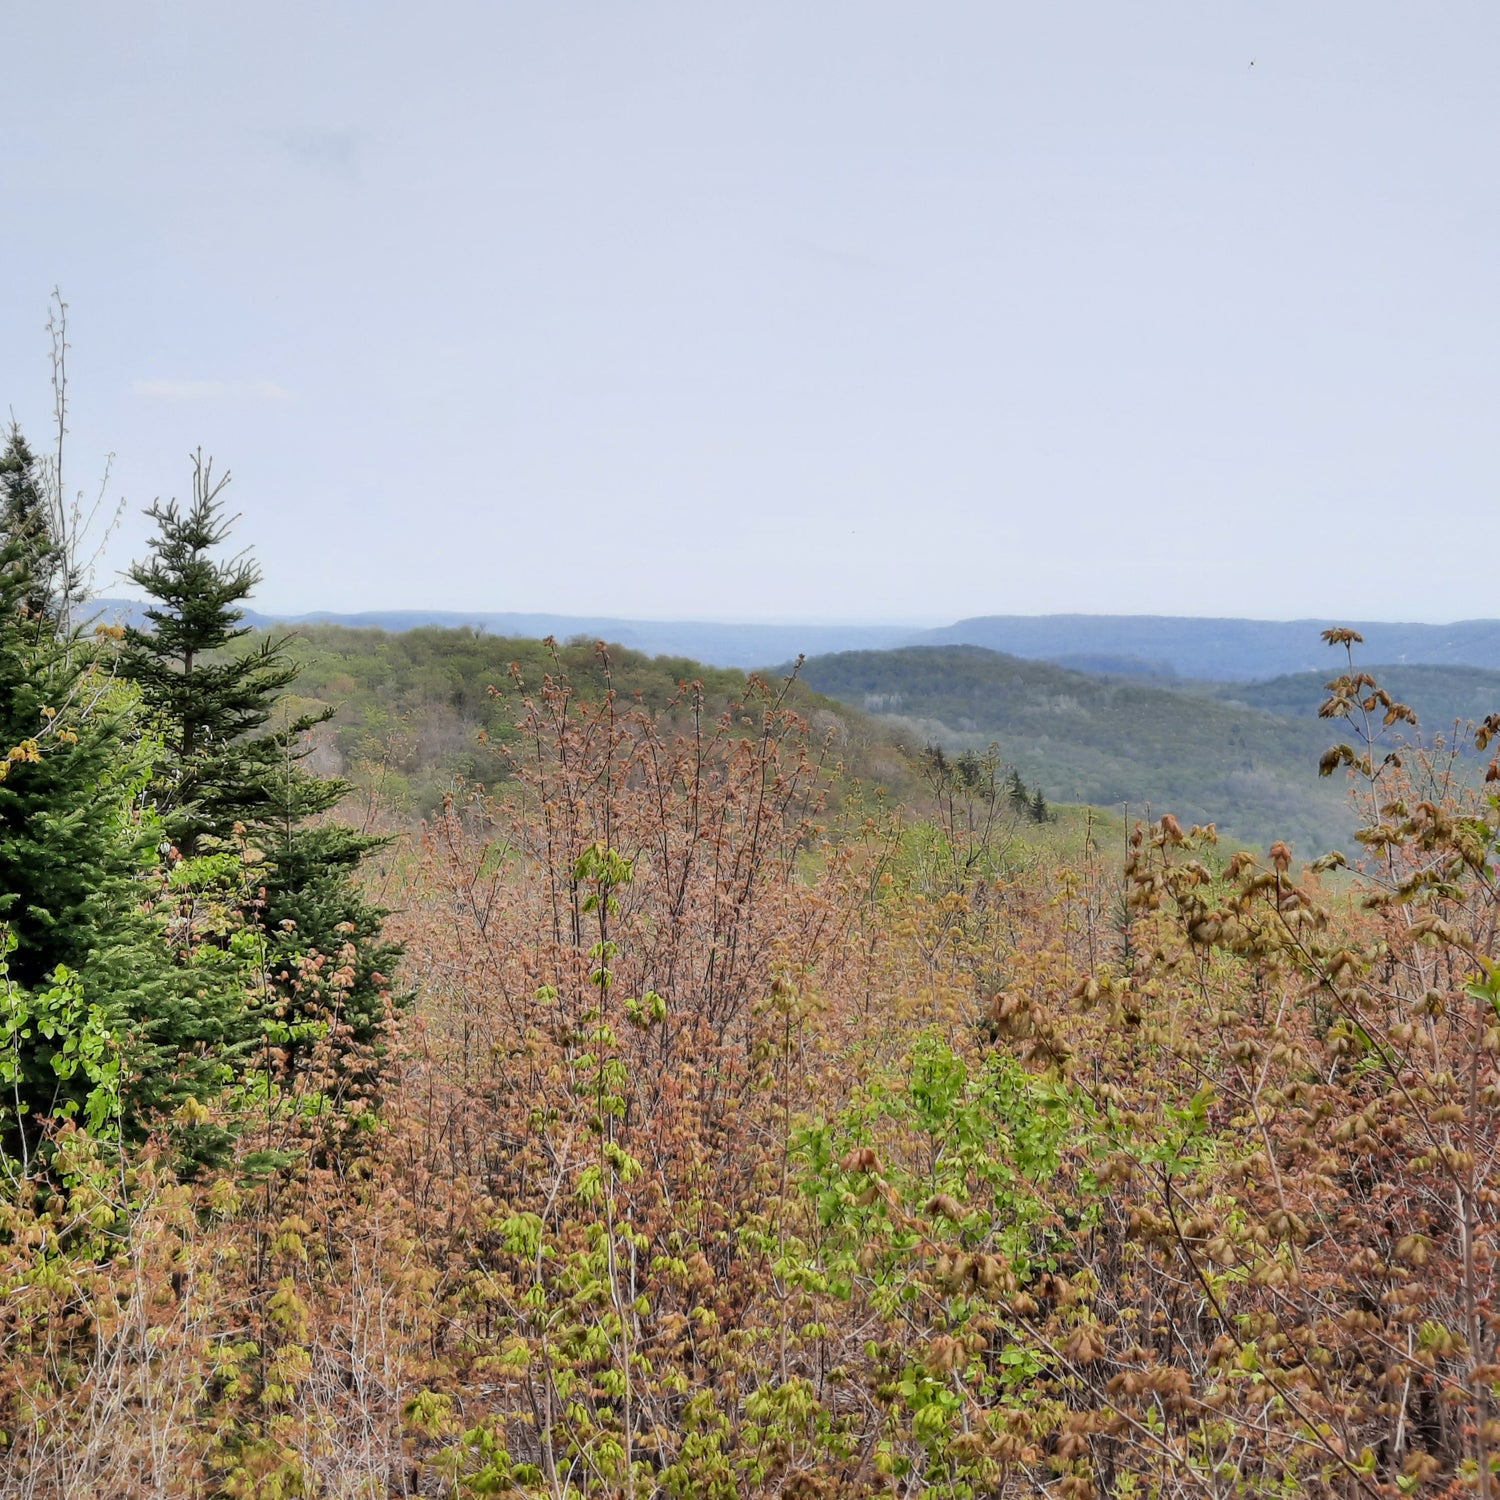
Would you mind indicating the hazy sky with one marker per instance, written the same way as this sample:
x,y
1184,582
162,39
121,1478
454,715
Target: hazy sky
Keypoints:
x,y
812,310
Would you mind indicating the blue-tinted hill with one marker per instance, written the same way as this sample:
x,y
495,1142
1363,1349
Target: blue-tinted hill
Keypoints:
x,y
1224,650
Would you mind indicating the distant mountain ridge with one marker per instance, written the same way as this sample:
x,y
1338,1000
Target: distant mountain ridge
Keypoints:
x,y
1149,647
1226,650
711,642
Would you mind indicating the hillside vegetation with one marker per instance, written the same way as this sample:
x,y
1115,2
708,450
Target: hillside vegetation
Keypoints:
x,y
1104,740
1441,696
418,712
724,1149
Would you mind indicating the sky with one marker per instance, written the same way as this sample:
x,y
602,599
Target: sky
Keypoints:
x,y
812,310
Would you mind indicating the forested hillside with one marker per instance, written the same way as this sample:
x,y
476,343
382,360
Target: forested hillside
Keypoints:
x,y
417,713
1106,740
1441,696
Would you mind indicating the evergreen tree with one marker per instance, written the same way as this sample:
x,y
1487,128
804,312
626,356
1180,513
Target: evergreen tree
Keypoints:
x,y
970,770
224,777
1039,812
26,522
96,1004
935,762
1015,790
218,770
327,958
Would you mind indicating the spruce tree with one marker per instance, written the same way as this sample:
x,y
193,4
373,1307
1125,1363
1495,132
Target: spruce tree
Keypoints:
x,y
26,522
93,991
219,770
1015,789
224,777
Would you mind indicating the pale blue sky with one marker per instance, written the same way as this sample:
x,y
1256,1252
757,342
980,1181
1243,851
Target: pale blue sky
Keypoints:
x,y
805,310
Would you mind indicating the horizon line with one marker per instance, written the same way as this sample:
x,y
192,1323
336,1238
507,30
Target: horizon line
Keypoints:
x,y
929,622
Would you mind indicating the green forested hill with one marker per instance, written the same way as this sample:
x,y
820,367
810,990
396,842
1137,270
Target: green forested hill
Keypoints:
x,y
1106,740
1440,695
417,709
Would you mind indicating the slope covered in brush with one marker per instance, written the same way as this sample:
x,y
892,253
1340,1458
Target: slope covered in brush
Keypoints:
x,y
418,711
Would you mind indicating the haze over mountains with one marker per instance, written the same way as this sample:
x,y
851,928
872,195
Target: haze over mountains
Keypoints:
x,y
714,643
1221,649
1149,646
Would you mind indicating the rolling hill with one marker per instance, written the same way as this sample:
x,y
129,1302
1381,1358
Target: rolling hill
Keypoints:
x,y
1106,740
1440,695
417,710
